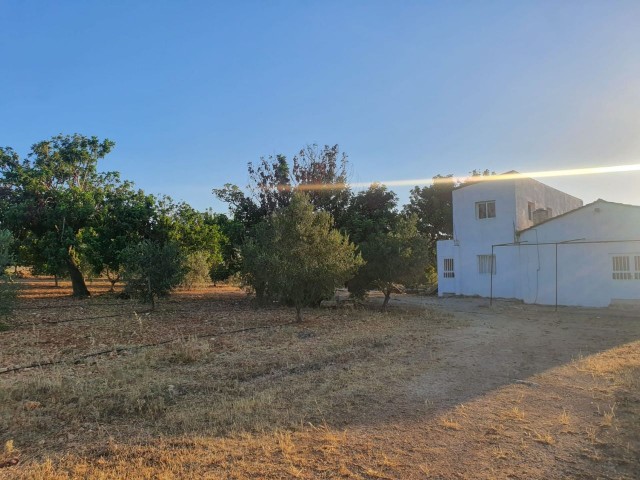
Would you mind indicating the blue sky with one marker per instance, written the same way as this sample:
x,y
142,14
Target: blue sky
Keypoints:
x,y
192,91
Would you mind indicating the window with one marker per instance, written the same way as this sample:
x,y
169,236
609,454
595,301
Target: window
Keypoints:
x,y
530,209
448,268
486,264
486,209
624,269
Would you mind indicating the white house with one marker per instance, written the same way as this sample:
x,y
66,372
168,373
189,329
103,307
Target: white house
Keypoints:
x,y
514,237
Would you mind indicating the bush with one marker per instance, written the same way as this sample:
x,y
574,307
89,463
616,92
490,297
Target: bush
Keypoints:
x,y
197,265
152,270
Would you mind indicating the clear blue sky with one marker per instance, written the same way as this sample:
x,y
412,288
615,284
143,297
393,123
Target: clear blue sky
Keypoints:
x,y
191,91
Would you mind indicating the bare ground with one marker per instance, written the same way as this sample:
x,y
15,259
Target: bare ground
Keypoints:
x,y
434,389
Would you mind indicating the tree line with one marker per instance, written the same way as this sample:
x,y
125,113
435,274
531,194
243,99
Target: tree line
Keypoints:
x,y
293,235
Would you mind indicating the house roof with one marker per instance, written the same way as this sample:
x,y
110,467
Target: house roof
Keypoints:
x,y
598,201
510,175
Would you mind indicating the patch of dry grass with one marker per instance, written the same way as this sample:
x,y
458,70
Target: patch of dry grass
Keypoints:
x,y
324,399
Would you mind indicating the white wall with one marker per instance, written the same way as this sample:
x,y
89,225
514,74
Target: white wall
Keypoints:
x,y
447,249
543,196
475,236
584,269
599,220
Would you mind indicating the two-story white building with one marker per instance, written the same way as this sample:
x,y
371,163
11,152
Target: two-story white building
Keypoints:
x,y
514,237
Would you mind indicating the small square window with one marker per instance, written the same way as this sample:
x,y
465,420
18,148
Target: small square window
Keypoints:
x,y
486,264
530,209
486,209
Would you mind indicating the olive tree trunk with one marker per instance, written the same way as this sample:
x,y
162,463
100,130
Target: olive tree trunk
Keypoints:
x,y
80,289
387,297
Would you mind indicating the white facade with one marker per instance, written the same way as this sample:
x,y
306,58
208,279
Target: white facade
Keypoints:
x,y
498,216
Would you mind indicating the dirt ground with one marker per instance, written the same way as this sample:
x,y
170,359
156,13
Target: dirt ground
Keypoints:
x,y
435,388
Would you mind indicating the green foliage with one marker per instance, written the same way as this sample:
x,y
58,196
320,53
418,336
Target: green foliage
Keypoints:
x,y
8,290
319,172
396,257
198,268
51,196
152,269
125,218
433,205
370,211
296,257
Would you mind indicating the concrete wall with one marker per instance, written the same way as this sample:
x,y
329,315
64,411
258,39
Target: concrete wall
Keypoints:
x,y
529,190
474,236
584,270
447,286
580,274
597,221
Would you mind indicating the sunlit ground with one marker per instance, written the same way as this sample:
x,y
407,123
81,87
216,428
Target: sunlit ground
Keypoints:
x,y
208,386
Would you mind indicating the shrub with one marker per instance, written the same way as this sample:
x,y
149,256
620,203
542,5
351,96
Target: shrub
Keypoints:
x,y
152,270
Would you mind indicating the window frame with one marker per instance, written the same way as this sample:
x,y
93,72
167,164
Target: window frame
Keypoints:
x,y
448,270
487,264
625,266
484,205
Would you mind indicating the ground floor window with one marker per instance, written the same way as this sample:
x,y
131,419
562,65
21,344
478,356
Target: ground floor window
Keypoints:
x,y
626,267
486,264
448,268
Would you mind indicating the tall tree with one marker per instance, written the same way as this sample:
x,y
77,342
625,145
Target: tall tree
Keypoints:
x,y
8,290
55,193
297,257
370,211
433,205
320,172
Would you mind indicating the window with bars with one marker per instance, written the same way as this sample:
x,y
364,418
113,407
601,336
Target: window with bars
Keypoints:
x,y
448,268
486,209
626,267
486,264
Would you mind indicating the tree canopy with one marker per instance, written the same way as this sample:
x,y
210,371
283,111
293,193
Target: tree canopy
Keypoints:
x,y
297,257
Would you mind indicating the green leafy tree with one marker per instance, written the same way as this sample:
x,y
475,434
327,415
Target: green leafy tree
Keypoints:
x,y
433,205
196,233
297,257
127,218
322,173
399,256
370,211
8,290
56,193
152,270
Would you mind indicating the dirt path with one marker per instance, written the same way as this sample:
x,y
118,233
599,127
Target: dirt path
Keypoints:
x,y
508,342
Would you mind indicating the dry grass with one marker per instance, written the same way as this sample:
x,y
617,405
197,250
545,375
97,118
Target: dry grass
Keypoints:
x,y
325,399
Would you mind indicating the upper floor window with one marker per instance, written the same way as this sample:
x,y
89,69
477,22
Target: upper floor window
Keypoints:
x,y
486,209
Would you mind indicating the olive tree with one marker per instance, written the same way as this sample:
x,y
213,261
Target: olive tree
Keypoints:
x,y
297,257
8,290
399,256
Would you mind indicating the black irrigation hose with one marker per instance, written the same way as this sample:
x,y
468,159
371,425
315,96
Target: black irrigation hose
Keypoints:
x,y
32,324
78,359
84,305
